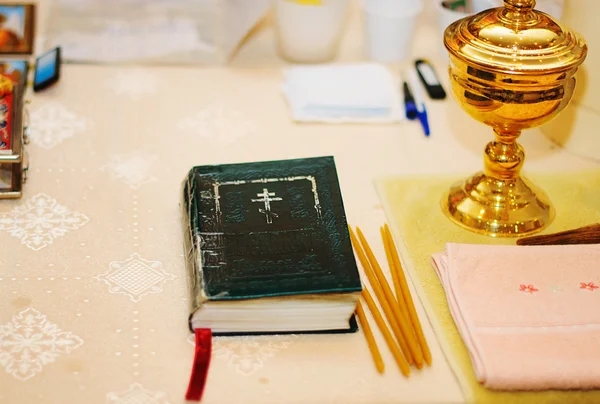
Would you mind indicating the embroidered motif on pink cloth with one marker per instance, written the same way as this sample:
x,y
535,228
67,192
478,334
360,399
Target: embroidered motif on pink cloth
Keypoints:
x,y
589,286
527,288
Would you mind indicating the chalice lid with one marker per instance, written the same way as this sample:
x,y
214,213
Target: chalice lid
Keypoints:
x,y
515,39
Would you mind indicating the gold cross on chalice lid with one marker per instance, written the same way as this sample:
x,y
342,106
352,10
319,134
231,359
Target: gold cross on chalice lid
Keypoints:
x,y
511,68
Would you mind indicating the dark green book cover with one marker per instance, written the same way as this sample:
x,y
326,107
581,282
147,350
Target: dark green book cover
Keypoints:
x,y
263,229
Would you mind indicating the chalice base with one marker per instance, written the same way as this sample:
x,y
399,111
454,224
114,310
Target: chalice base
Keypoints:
x,y
498,208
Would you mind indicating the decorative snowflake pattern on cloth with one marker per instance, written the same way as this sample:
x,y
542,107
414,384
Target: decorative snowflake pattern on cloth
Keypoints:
x,y
218,122
248,354
589,286
52,123
527,288
135,277
135,83
133,169
40,221
30,341
136,394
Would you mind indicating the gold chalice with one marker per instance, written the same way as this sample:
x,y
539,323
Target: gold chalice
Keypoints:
x,y
511,68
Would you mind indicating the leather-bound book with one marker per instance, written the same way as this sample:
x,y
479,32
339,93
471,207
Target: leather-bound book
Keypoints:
x,y
267,248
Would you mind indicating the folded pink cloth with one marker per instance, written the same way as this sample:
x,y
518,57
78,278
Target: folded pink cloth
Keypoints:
x,y
529,316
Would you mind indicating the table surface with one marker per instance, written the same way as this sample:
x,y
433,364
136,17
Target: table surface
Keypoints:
x,y
94,304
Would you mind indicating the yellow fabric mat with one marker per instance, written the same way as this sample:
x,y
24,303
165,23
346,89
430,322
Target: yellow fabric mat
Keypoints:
x,y
413,208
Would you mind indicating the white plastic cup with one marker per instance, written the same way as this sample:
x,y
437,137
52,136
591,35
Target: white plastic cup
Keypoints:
x,y
445,17
481,5
309,33
389,28
393,6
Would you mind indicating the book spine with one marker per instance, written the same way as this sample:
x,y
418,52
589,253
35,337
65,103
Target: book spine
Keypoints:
x,y
192,244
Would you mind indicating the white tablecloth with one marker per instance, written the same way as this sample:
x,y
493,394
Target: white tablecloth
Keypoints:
x,y
92,279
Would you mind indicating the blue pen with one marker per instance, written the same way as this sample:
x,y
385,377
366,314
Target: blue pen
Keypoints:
x,y
410,108
422,113
418,97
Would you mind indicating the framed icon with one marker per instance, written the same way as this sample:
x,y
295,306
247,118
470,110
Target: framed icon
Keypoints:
x,y
17,70
17,28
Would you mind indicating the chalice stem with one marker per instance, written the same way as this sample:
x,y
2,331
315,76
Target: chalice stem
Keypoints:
x,y
504,157
498,201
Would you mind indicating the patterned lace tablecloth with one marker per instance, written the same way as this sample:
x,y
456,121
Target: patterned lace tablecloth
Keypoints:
x,y
92,279
93,302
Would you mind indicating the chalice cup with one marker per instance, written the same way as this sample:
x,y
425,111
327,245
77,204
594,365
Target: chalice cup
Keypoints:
x,y
512,68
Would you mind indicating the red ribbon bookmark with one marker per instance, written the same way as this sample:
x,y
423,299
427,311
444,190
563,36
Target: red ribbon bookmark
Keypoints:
x,y
201,364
